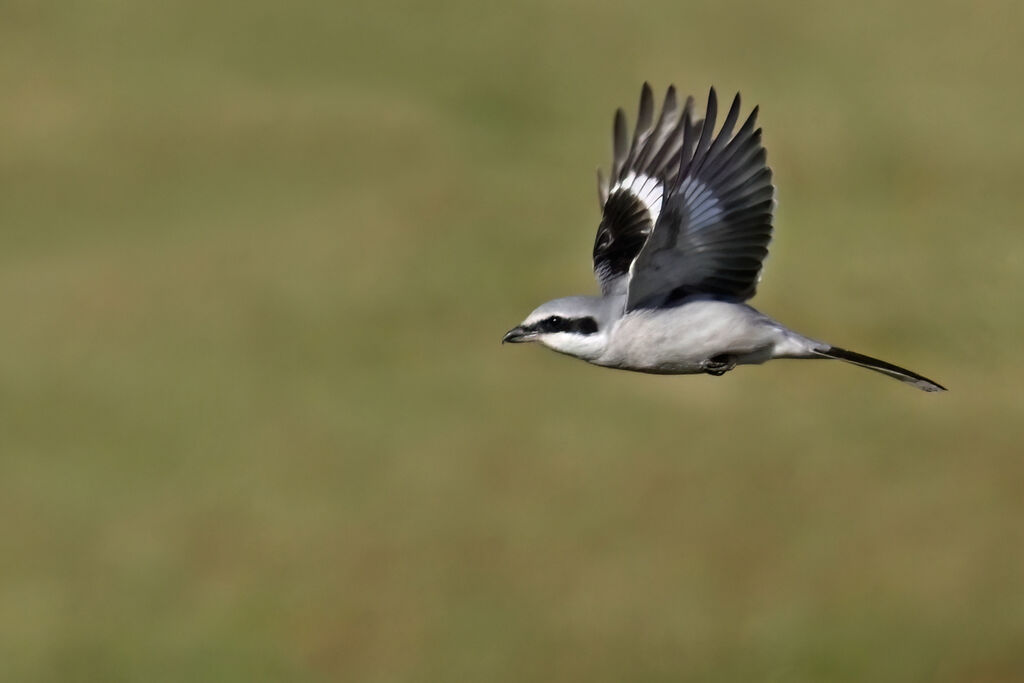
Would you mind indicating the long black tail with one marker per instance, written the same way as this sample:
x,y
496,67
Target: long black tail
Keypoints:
x,y
902,374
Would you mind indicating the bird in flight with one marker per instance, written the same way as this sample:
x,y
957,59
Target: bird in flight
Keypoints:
x,y
687,217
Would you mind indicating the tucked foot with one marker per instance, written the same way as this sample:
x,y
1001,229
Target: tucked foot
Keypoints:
x,y
719,365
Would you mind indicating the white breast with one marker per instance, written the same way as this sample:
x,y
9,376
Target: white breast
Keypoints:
x,y
678,340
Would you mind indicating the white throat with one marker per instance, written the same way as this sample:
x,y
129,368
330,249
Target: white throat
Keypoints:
x,y
589,347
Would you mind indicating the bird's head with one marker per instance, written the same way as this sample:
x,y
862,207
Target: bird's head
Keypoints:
x,y
574,325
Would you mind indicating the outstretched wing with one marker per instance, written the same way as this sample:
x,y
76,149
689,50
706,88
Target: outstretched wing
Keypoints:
x,y
712,234
642,167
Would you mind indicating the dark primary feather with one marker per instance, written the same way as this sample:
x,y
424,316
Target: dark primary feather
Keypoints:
x,y
652,151
644,119
716,221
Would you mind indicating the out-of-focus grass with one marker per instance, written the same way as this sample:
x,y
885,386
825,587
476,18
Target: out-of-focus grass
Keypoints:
x,y
256,425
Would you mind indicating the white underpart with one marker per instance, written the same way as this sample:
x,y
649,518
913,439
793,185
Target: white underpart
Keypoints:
x,y
680,339
648,190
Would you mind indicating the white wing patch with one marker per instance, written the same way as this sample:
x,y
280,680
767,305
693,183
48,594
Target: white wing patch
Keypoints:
x,y
648,190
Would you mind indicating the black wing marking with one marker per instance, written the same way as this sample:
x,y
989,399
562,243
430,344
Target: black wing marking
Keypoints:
x,y
712,234
632,197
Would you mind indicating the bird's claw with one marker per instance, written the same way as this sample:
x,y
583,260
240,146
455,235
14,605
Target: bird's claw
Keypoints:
x,y
719,365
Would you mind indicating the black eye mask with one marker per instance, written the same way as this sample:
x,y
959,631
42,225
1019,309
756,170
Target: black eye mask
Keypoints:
x,y
557,323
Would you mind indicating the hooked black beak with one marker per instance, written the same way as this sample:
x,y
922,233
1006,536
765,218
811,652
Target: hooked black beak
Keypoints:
x,y
519,334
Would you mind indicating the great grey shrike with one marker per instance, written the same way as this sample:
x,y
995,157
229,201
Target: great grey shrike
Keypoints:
x,y
687,217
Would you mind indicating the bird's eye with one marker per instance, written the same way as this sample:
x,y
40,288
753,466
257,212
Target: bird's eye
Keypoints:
x,y
556,320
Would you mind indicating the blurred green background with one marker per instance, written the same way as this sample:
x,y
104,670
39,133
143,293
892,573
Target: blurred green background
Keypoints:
x,y
256,423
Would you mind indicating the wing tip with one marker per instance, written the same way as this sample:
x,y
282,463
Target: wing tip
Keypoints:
x,y
620,119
